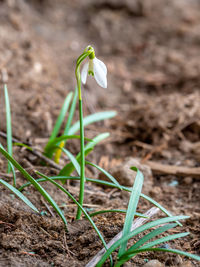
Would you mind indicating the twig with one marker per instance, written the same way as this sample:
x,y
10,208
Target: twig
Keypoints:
x,y
5,175
34,152
45,232
138,222
85,205
159,168
47,160
50,211
66,246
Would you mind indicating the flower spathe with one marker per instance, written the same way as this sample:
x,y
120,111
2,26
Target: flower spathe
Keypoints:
x,y
96,68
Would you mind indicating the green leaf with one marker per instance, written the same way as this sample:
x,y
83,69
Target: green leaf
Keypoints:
x,y
175,251
152,234
19,194
132,206
116,210
69,168
137,231
62,178
23,145
165,239
105,183
34,183
155,203
50,147
91,119
105,173
61,116
156,242
14,174
72,159
8,125
71,113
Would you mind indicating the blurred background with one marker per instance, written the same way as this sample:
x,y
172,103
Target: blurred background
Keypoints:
x,y
151,49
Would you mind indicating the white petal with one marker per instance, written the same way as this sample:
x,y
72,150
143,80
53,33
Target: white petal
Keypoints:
x,y
84,73
99,62
100,72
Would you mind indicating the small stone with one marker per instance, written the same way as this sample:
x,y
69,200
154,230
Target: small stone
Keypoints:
x,y
186,264
153,263
125,176
173,183
187,180
155,191
178,260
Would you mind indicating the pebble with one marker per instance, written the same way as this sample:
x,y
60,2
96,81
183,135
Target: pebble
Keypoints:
x,y
165,245
186,264
156,191
187,180
173,183
126,177
153,263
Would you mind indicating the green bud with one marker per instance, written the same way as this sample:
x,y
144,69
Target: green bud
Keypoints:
x,y
90,73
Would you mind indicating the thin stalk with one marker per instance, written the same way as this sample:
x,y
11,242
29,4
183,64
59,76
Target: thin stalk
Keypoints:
x,y
82,154
8,126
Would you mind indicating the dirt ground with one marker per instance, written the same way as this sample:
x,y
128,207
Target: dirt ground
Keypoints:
x,y
152,51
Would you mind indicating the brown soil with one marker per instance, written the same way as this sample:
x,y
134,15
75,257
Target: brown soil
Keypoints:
x,y
152,52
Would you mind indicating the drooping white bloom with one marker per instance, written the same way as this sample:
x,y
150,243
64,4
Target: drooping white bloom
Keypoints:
x,y
96,68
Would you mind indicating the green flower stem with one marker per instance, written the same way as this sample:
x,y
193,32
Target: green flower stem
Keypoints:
x,y
82,161
82,176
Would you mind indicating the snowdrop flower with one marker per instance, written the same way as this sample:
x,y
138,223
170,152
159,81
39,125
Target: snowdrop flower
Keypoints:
x,y
96,68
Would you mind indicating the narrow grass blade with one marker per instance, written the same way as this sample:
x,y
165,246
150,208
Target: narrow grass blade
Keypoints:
x,y
34,183
69,168
72,159
105,183
77,203
175,251
152,234
14,175
23,145
165,239
132,206
91,119
19,194
105,173
137,214
8,125
137,231
67,126
156,242
40,180
49,147
155,203
61,116
96,140
71,113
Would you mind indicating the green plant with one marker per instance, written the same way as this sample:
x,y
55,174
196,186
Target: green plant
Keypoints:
x,y
70,130
12,188
124,253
